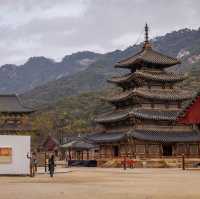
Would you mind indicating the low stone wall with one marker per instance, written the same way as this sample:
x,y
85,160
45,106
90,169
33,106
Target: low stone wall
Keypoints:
x,y
150,163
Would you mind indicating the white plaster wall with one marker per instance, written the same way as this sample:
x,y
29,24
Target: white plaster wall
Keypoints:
x,y
20,147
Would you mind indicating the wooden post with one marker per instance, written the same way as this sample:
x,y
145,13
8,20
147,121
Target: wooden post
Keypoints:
x,y
87,154
124,163
69,151
133,145
183,162
45,161
82,155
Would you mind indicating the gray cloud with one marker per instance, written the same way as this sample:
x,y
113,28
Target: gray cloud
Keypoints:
x,y
56,28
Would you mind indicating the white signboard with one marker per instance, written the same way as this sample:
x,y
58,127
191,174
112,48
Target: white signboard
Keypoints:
x,y
13,154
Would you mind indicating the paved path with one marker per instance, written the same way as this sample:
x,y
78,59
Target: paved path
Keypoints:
x,y
97,183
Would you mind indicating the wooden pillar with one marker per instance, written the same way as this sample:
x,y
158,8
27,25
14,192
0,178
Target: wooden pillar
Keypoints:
x,y
183,162
70,157
198,149
174,150
126,149
132,145
82,155
111,151
188,149
161,150
134,148
87,154
100,152
146,150
78,153
119,150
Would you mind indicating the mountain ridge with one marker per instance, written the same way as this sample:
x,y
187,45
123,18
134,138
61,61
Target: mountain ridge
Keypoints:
x,y
94,77
37,71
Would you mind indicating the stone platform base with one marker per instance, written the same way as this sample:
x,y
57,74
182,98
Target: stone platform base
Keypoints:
x,y
150,163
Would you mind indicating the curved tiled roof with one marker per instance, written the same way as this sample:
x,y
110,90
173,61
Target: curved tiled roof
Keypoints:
x,y
104,137
166,136
12,104
163,94
118,97
122,79
143,113
159,94
113,116
162,77
8,128
79,144
148,56
155,114
159,77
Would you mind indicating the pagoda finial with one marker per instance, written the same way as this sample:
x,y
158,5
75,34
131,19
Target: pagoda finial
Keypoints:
x,y
146,33
146,39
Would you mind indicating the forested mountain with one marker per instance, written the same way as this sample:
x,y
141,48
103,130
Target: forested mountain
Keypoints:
x,y
184,44
70,103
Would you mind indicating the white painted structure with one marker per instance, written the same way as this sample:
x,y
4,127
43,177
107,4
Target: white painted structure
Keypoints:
x,y
20,145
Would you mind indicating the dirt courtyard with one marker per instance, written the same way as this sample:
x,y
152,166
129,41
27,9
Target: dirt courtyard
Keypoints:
x,y
97,183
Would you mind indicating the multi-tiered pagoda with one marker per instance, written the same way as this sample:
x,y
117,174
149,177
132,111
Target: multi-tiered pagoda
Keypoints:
x,y
146,119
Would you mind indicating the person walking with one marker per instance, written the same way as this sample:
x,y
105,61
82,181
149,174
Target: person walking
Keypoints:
x,y
51,165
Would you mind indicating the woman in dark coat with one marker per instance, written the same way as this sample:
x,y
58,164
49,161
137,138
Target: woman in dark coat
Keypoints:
x,y
51,164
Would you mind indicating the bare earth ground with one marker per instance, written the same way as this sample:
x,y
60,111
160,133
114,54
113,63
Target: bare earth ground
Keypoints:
x,y
99,183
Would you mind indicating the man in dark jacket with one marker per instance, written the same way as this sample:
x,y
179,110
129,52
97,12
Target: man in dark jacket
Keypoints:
x,y
51,165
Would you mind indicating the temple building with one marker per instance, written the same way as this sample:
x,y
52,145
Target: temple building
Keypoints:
x,y
152,116
14,116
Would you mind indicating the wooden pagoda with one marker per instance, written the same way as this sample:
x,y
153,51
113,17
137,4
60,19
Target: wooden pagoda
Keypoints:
x,y
149,117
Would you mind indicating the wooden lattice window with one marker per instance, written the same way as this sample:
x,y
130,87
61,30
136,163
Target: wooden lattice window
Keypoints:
x,y
182,149
154,149
140,149
194,149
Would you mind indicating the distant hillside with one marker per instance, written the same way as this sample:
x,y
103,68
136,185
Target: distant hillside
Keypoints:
x,y
183,44
72,114
40,70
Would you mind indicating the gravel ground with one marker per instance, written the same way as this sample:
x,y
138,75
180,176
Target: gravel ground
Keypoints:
x,y
97,183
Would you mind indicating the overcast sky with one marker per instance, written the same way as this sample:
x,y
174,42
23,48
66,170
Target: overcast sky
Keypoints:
x,y
54,28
